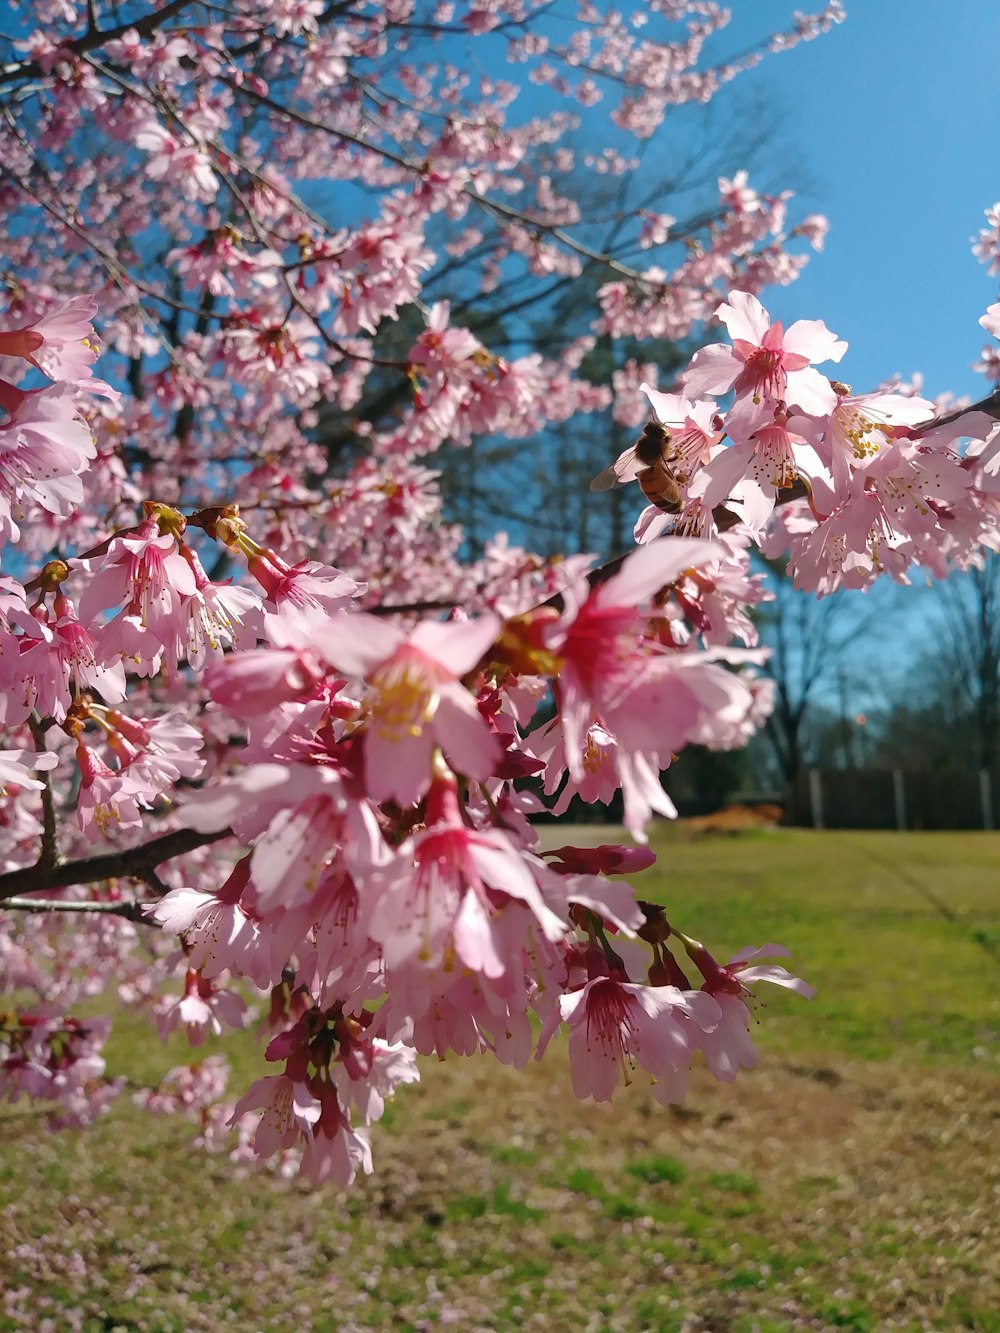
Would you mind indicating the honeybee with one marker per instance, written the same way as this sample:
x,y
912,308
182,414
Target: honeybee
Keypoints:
x,y
647,462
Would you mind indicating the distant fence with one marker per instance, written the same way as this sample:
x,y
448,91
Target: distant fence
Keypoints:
x,y
896,798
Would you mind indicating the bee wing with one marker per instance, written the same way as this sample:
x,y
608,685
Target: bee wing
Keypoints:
x,y
606,480
625,468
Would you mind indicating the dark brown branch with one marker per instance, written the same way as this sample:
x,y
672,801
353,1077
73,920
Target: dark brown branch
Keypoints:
x,y
93,38
409,608
989,406
49,854
132,911
132,863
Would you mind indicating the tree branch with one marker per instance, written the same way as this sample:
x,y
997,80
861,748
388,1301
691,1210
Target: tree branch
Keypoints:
x,y
132,863
94,38
419,168
49,854
990,405
132,911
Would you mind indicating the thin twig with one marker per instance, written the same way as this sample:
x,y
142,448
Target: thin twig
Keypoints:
x,y
419,168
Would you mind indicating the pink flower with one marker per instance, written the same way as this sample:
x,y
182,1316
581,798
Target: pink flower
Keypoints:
x,y
615,1025
43,449
365,1084
302,820
59,342
107,800
56,1058
306,586
744,970
443,351
604,769
606,660
727,1047
192,1087
336,958
253,682
736,195
289,1113
765,365
843,550
143,567
753,471
991,320
646,702
334,1151
218,932
859,428
158,750
185,164
59,662
417,701
695,428
446,891
214,617
200,1008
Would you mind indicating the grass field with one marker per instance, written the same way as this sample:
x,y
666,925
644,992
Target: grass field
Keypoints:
x,y
850,1182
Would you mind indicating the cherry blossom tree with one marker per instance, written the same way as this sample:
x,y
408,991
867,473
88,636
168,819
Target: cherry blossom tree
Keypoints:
x,y
263,728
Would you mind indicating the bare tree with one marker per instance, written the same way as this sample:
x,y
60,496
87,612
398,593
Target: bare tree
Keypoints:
x,y
814,646
962,670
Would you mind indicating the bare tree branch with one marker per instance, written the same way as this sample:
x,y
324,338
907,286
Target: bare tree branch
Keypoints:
x,y
132,863
49,854
132,911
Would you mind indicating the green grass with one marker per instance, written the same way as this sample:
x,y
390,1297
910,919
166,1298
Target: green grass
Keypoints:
x,y
850,1182
896,979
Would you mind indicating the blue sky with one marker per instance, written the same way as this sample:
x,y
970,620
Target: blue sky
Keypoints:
x,y
895,116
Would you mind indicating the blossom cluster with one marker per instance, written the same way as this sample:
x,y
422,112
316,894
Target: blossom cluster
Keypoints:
x,y
849,486
269,742
392,896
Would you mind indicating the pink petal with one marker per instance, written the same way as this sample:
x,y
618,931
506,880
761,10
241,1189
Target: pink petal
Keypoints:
x,y
811,338
473,935
756,500
648,569
811,392
670,408
289,859
177,910
358,643
611,899
212,809
717,478
778,976
462,733
713,371
398,769
745,318
458,645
